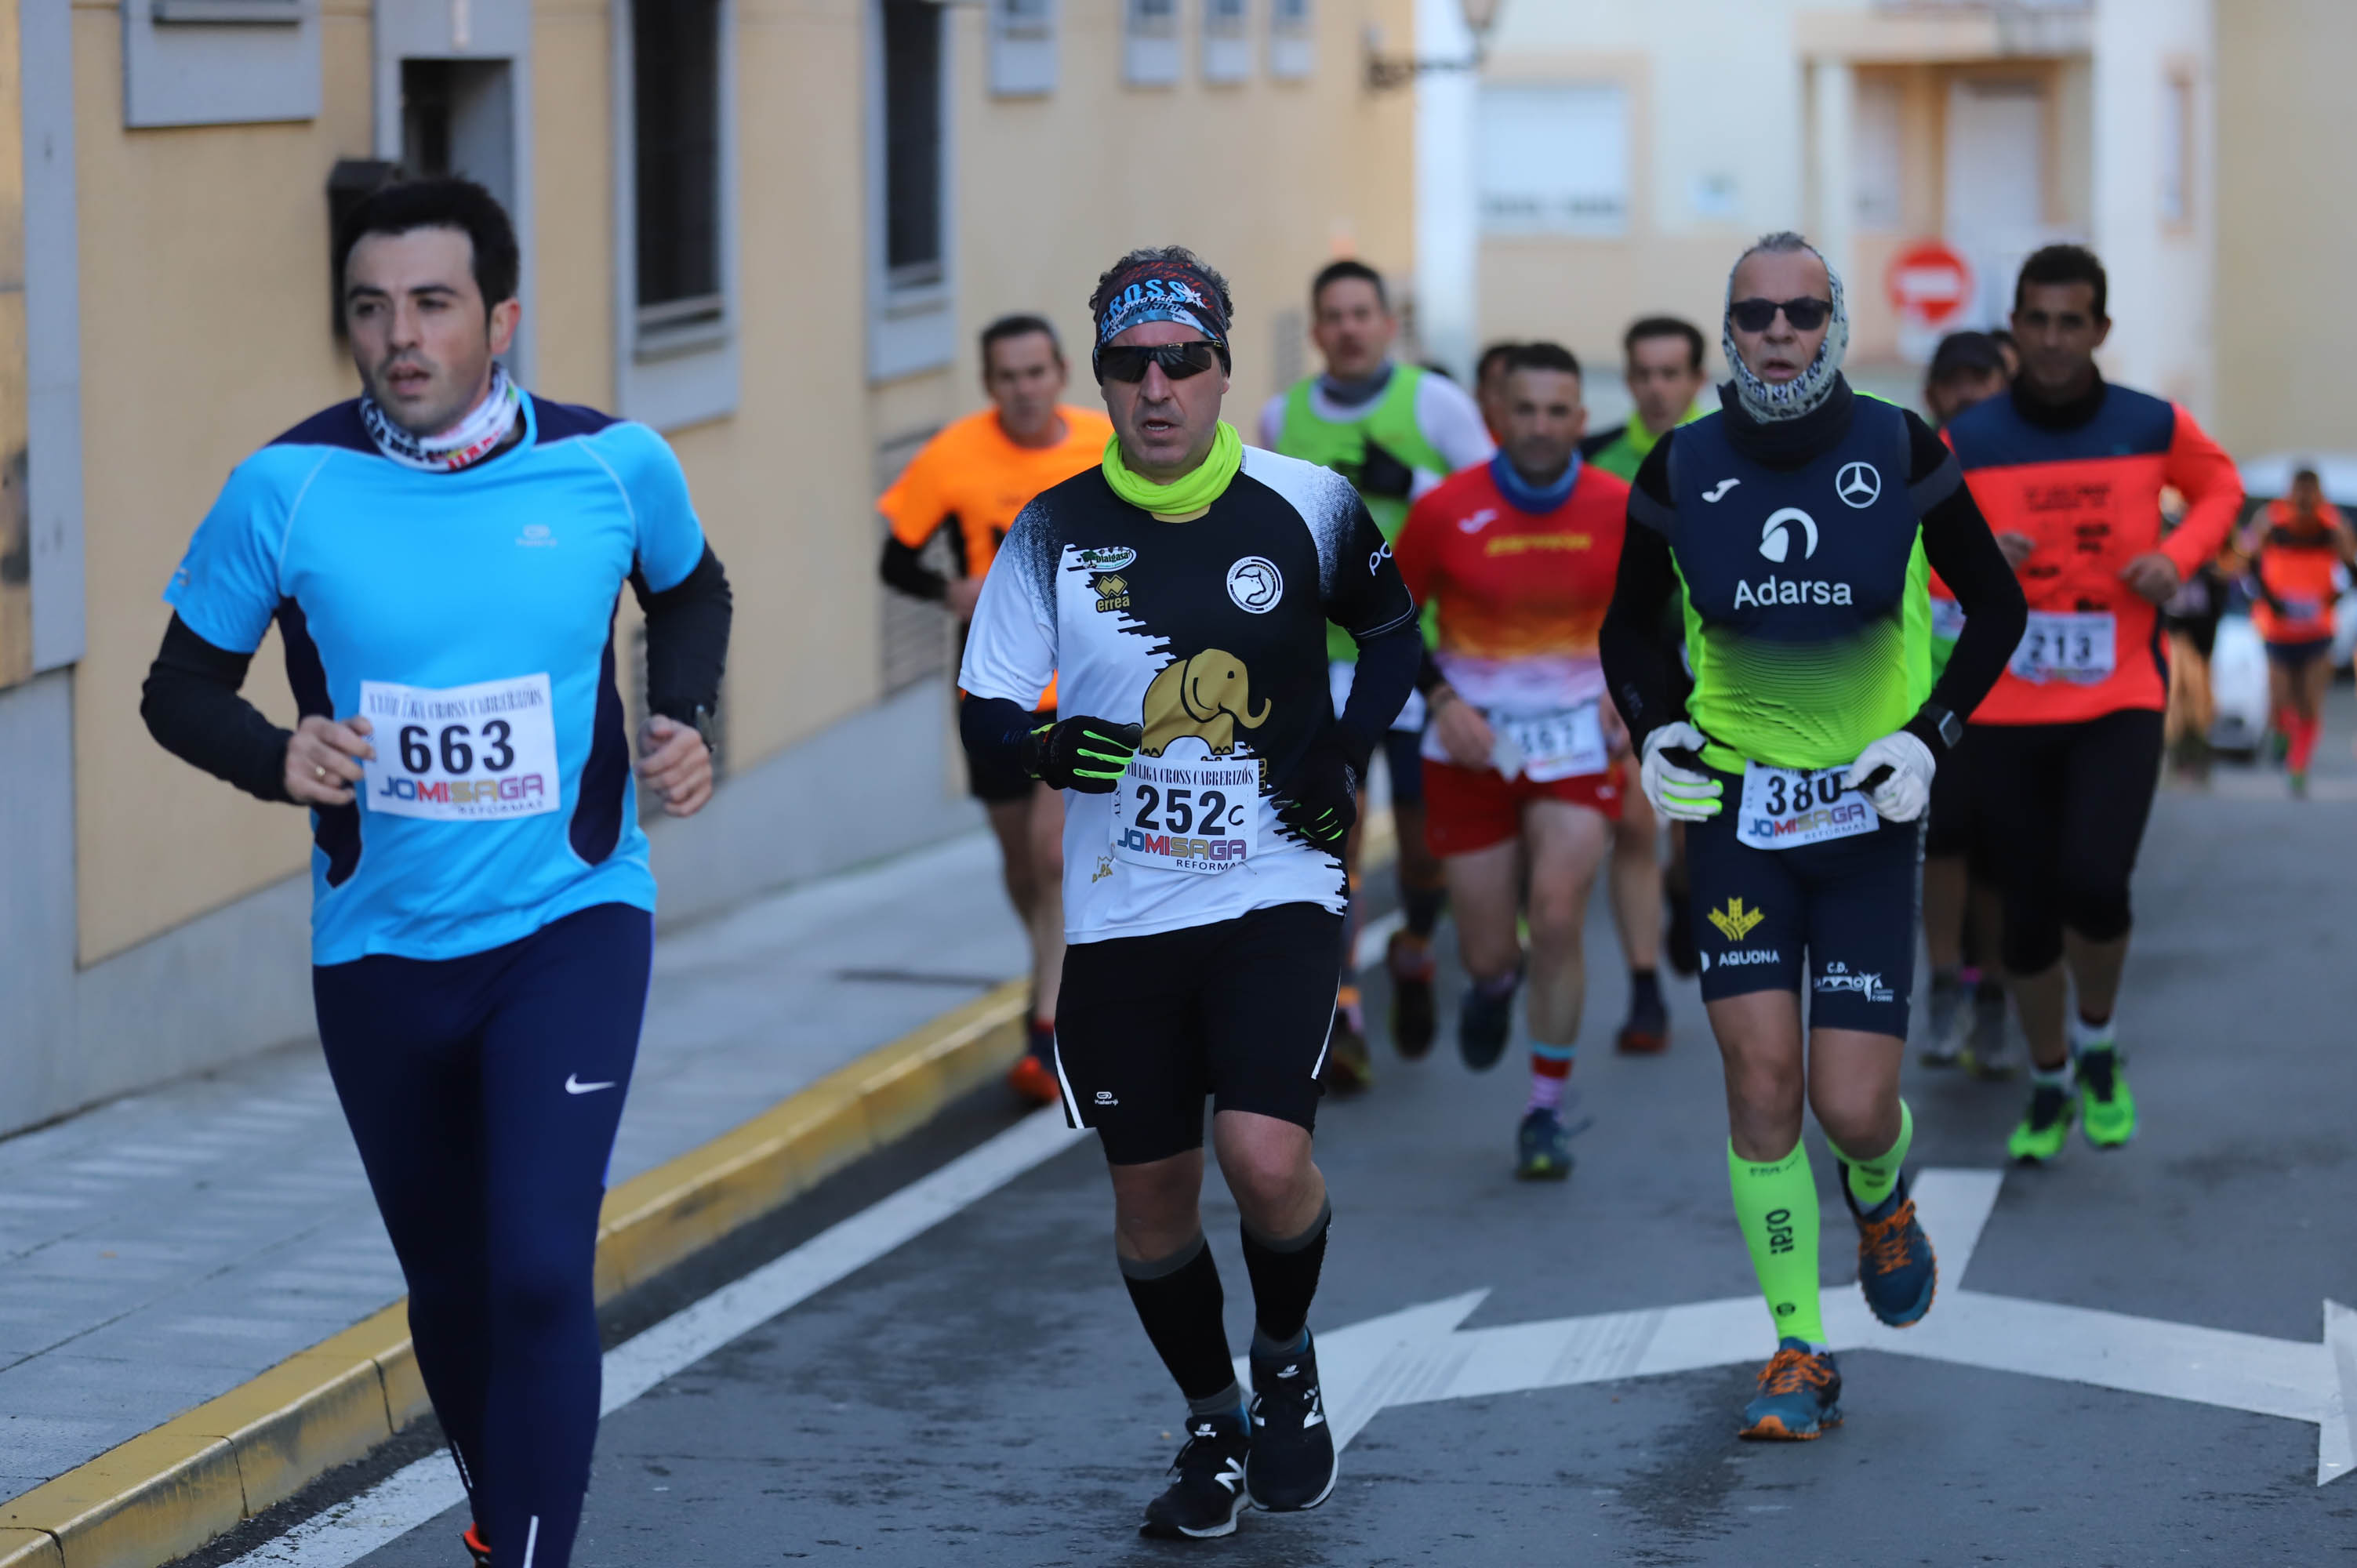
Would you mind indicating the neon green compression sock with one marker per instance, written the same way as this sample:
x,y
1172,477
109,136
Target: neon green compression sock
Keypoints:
x,y
1870,1181
1776,1203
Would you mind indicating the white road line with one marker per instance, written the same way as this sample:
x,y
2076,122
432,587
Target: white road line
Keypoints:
x,y
1374,939
417,1493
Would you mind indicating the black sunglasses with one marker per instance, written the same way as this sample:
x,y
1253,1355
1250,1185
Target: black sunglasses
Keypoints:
x,y
1757,315
1179,360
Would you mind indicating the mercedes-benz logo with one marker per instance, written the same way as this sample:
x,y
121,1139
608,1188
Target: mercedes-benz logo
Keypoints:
x,y
1858,484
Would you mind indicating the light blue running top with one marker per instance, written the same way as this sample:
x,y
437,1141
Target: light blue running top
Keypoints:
x,y
468,616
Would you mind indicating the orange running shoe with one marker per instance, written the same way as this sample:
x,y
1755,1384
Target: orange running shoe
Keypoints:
x,y
1798,1397
477,1545
1033,1078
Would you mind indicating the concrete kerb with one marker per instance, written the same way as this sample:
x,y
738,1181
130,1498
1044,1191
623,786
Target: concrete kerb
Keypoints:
x,y
168,1491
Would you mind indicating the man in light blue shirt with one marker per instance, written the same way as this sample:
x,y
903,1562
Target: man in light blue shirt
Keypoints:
x,y
444,557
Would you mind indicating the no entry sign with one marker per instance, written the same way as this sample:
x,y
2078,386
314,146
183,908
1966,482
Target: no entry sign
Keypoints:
x,y
1930,284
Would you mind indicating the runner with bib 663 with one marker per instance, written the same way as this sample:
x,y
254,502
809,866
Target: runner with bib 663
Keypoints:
x,y
1803,520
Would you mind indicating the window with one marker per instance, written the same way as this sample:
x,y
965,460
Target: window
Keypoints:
x,y
1555,160
676,77
2176,159
1150,43
219,62
912,314
1227,40
912,142
1291,30
1022,47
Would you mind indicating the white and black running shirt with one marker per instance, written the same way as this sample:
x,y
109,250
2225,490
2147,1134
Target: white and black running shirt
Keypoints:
x,y
1211,633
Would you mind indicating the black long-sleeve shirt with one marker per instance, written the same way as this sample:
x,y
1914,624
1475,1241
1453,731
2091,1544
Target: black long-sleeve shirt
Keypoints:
x,y
1638,664
192,705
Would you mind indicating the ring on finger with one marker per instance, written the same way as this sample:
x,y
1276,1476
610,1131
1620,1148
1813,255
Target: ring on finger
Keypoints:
x,y
318,771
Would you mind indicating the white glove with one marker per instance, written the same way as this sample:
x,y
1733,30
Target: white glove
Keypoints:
x,y
1678,792
1903,795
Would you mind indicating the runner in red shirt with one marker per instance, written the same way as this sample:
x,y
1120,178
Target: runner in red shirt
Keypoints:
x,y
2068,471
2296,546
1522,771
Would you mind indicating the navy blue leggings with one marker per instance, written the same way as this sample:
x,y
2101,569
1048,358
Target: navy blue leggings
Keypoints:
x,y
483,1092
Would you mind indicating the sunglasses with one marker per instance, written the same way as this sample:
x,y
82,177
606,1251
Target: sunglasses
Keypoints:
x,y
1179,360
1757,315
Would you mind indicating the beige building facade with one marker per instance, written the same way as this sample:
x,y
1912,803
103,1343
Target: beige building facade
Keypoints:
x,y
769,228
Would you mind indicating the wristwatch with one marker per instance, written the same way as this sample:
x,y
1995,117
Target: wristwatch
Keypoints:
x,y
1947,726
702,720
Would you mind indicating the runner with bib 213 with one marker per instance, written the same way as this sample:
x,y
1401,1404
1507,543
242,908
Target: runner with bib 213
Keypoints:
x,y
1803,520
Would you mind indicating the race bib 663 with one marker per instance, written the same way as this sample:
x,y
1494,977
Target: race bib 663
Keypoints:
x,y
462,754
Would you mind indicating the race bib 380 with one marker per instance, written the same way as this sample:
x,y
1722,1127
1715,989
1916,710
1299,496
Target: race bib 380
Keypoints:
x,y
1186,816
463,754
1784,808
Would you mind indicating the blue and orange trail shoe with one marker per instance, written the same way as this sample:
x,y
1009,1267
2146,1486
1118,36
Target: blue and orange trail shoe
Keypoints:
x,y
1034,1076
1415,1016
1798,1397
1543,1147
1207,1484
2045,1126
1647,1030
477,1545
2106,1109
1293,1464
1895,1271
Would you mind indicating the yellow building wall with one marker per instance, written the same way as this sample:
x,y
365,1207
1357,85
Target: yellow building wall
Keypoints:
x,y
2287,225
204,332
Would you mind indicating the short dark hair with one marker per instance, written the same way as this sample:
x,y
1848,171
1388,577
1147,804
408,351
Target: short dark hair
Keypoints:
x,y
1543,356
443,201
1022,324
1333,272
1651,326
1491,356
2306,471
1965,354
2064,264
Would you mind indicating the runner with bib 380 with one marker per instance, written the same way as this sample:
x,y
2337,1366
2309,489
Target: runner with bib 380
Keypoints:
x,y
1803,520
1210,789
442,557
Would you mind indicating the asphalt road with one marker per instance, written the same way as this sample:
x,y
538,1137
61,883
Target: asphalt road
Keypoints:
x,y
983,1395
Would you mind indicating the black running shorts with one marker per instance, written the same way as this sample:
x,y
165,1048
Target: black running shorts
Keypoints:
x,y
1238,1010
1957,822
1836,920
2066,806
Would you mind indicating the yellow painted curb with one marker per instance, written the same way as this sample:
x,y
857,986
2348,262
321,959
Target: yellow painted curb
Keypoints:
x,y
168,1491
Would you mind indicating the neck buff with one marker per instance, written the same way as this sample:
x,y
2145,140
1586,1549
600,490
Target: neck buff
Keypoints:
x,y
1191,493
1767,402
462,445
1351,394
1523,496
1163,289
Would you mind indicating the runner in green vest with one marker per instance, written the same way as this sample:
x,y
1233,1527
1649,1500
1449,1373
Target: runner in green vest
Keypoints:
x,y
1394,431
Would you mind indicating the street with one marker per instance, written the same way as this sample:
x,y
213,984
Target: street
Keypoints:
x,y
982,1394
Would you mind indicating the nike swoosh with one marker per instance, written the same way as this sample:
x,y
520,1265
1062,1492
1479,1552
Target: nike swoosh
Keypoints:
x,y
573,1085
1720,490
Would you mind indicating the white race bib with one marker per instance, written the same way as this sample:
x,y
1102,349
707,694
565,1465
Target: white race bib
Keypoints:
x,y
1565,745
2060,647
1193,815
1784,808
463,754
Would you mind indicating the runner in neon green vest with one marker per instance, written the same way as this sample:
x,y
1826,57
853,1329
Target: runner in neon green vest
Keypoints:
x,y
1395,431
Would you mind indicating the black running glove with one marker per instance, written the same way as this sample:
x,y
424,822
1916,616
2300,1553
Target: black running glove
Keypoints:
x,y
1085,754
1320,802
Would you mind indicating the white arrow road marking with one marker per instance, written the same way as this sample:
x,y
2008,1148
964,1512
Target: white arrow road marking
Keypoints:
x,y
1418,1356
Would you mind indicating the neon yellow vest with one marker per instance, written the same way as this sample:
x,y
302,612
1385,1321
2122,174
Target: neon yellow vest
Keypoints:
x,y
1390,423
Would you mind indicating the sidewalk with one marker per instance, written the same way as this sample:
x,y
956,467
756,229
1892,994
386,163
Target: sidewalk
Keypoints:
x,y
159,1251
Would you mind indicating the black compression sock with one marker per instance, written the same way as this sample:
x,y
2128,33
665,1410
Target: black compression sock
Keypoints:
x,y
1421,905
1179,1300
1644,985
1284,1278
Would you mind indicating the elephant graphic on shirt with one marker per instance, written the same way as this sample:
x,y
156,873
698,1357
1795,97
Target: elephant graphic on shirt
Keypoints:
x,y
1206,696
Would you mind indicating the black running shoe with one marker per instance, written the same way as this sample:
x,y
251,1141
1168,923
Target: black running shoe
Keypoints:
x,y
1484,1019
1293,1464
1207,1486
1414,1021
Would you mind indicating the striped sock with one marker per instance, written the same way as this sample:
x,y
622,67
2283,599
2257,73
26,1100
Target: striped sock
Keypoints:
x,y
1550,1070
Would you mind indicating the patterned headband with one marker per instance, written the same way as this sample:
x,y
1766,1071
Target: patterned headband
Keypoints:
x,y
1162,290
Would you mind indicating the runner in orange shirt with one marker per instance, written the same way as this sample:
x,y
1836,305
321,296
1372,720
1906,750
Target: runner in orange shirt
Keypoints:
x,y
2069,470
968,482
2294,545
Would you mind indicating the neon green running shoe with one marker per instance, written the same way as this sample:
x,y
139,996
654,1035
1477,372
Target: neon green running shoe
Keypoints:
x,y
2045,1126
2107,1106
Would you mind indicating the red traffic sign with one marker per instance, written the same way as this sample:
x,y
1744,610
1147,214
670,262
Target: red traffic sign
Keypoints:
x,y
1929,283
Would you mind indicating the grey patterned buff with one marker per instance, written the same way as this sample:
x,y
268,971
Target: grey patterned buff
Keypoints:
x,y
1767,401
